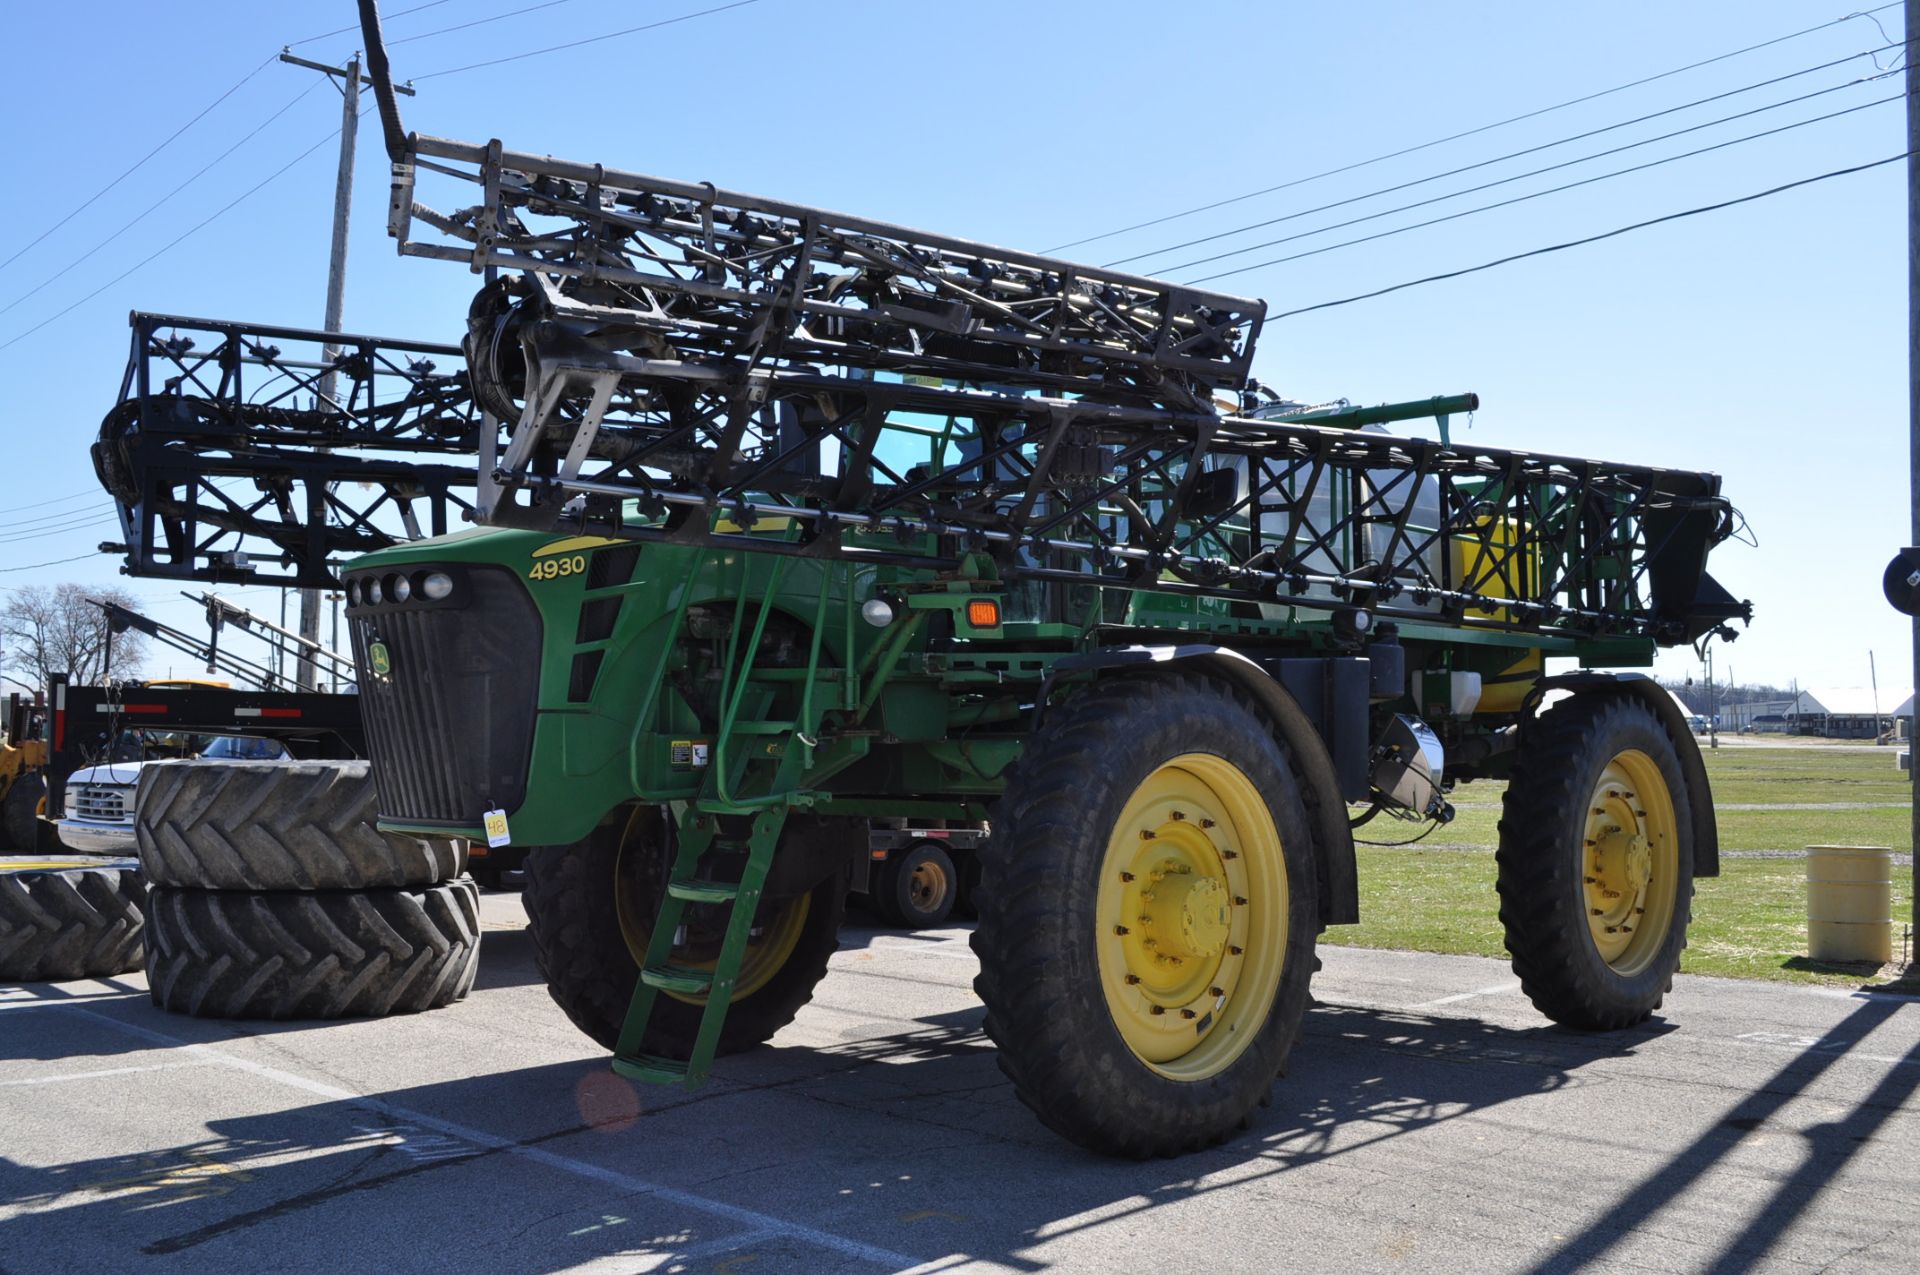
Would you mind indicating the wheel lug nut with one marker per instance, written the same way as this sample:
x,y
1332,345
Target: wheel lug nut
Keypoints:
x,y
1121,929
1239,901
1596,912
1126,876
1234,951
1146,834
1179,815
1187,1013
1215,991
1206,823
1229,854
1157,1009
1132,979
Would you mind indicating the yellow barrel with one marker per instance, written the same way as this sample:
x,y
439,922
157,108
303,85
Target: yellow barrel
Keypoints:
x,y
1850,903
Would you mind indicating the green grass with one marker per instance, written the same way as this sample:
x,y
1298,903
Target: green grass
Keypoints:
x,y
1750,922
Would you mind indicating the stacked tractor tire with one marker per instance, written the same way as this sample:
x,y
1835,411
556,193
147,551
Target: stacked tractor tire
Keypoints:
x,y
271,894
69,917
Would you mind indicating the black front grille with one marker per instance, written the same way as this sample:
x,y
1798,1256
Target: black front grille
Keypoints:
x,y
450,723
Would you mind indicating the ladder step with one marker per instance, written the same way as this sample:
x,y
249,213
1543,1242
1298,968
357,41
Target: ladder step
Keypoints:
x,y
652,1069
673,978
701,891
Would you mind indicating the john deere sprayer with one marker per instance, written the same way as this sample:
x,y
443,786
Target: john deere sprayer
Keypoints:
x,y
801,520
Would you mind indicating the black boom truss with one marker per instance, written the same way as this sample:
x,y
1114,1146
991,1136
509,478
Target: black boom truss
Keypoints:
x,y
719,361
249,453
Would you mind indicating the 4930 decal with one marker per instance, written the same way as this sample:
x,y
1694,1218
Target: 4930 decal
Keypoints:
x,y
554,568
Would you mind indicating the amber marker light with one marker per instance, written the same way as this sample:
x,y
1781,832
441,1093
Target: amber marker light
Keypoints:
x,y
983,613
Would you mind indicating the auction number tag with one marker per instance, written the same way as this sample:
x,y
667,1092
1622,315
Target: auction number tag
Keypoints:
x,y
496,821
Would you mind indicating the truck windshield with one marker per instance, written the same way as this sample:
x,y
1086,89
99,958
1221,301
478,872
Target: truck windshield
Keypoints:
x,y
241,748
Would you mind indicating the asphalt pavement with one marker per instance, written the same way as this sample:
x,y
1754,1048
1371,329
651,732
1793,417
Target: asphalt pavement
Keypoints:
x,y
1431,1119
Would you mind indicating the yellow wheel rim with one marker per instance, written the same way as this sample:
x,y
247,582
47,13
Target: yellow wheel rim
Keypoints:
x,y
1631,862
769,944
926,886
1192,916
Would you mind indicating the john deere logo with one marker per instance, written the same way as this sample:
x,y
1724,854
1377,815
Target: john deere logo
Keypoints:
x,y
380,658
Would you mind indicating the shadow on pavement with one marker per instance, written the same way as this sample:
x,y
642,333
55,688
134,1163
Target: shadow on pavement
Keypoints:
x,y
1829,1147
790,1139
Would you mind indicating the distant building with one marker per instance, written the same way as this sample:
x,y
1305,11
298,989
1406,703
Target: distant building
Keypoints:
x,y
1833,712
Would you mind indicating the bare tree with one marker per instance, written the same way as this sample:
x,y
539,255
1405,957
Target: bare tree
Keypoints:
x,y
61,630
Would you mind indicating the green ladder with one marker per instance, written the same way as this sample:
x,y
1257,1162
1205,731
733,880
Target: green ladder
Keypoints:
x,y
755,773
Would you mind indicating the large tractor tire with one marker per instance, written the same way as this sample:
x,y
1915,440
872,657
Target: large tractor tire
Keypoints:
x,y
591,907
278,825
69,918
20,812
1148,916
1596,862
915,887
318,954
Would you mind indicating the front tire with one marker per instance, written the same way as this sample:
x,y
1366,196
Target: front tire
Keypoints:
x,y
1596,862
20,812
590,909
1148,917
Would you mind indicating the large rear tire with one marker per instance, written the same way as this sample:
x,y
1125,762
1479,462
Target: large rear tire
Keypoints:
x,y
1148,916
1596,862
69,918
590,908
318,954
278,825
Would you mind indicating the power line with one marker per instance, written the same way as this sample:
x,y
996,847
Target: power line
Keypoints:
x,y
35,527
478,22
174,242
431,4
1576,243
1472,132
137,163
157,204
1504,203
54,500
1544,146
48,532
592,39
32,566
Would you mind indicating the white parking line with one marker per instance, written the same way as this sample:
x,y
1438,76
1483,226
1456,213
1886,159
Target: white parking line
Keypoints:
x,y
1512,986
90,1075
746,1217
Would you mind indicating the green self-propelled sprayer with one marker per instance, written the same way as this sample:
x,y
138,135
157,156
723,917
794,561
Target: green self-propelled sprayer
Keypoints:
x,y
801,521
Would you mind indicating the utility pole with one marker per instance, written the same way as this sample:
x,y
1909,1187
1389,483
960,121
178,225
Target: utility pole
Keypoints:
x,y
1913,418
348,81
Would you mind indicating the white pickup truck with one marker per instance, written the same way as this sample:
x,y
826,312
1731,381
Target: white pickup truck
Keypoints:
x,y
100,799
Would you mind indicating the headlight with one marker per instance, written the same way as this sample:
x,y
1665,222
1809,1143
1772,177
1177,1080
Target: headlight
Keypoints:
x,y
353,593
402,588
374,597
436,585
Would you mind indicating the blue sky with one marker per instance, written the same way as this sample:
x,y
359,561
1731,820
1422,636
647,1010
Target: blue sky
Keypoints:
x,y
1765,342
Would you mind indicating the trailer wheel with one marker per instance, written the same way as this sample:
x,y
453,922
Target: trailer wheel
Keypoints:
x,y
1147,916
590,909
278,825
1596,862
69,918
916,887
20,812
312,954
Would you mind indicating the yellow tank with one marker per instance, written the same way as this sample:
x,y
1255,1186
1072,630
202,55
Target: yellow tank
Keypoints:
x,y
1850,903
